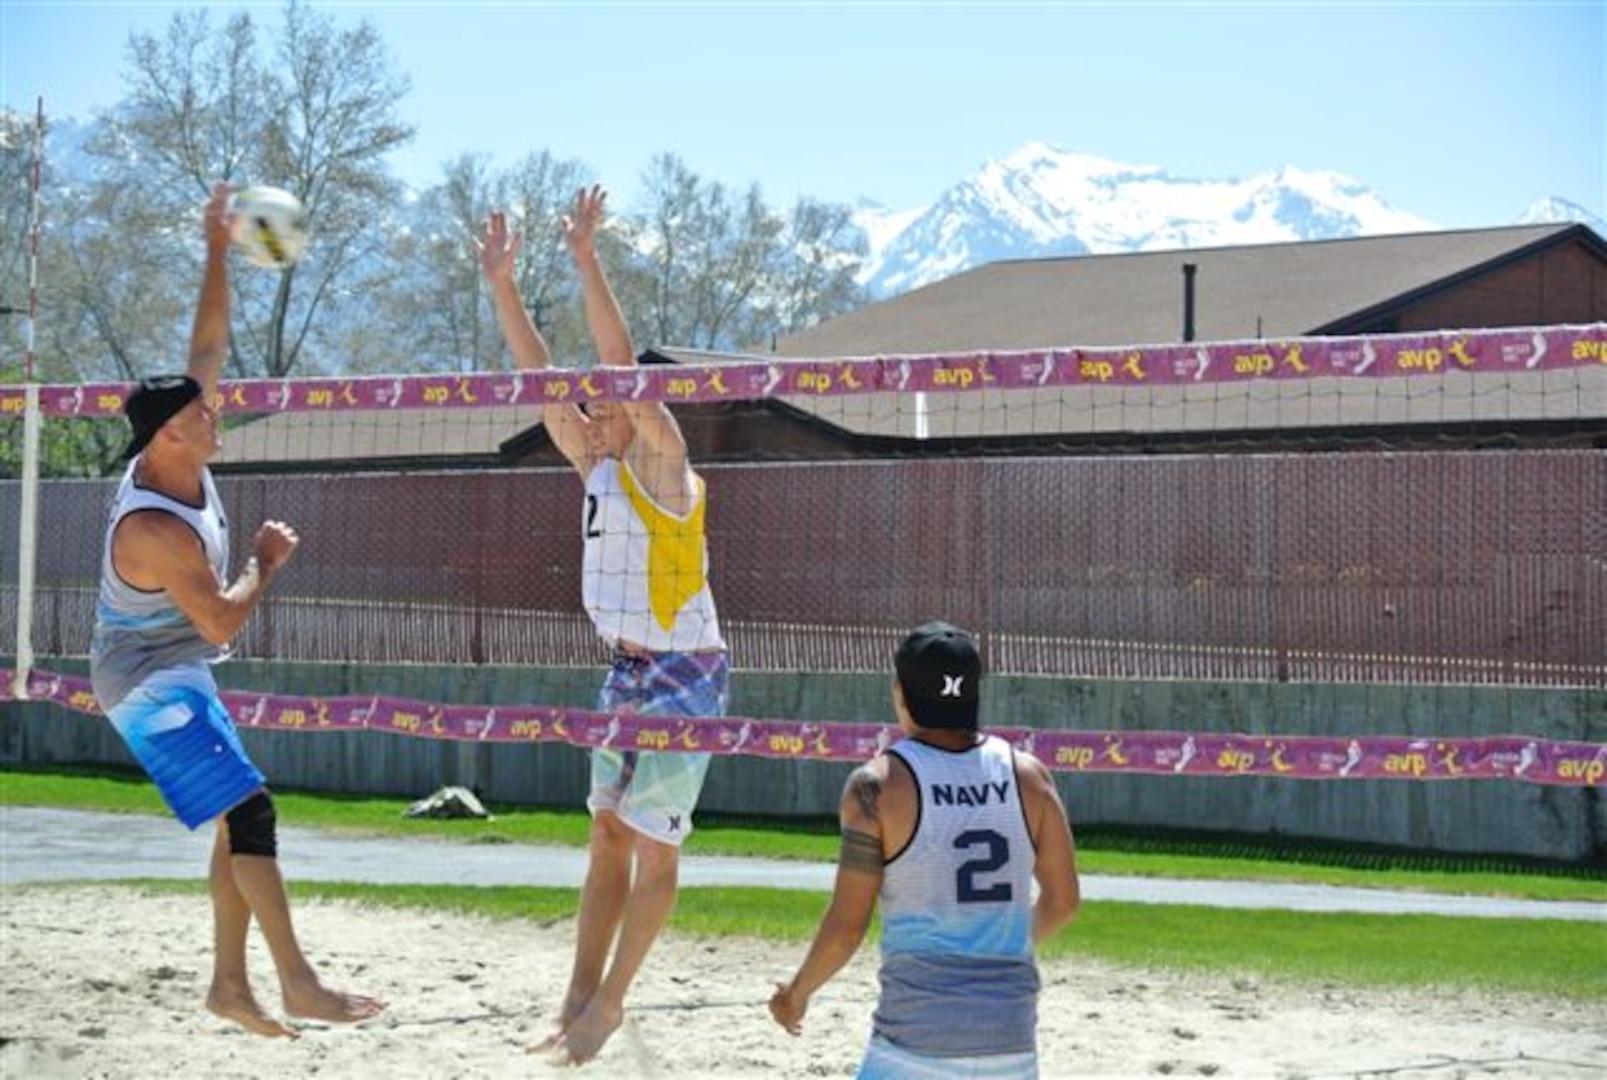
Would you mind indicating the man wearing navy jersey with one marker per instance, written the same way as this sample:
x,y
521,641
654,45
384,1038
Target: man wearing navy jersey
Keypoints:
x,y
949,829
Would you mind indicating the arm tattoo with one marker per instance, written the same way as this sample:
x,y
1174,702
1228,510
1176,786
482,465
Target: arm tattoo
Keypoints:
x,y
866,788
861,851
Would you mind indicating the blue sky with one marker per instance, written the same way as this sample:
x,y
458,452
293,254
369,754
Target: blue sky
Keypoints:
x,y
1462,113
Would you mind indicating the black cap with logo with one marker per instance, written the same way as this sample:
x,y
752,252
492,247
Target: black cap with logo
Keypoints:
x,y
153,403
941,671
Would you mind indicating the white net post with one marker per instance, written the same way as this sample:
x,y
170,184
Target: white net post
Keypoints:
x,y
28,516
28,539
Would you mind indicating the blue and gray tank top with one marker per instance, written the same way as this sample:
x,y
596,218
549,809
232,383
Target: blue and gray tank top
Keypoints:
x,y
958,974
138,632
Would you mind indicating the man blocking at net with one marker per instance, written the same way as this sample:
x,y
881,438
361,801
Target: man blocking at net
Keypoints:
x,y
645,585
949,828
166,611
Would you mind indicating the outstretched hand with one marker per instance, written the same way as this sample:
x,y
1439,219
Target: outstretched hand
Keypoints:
x,y
587,213
498,247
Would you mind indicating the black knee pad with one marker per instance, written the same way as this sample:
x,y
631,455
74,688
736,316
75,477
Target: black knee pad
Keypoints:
x,y
254,827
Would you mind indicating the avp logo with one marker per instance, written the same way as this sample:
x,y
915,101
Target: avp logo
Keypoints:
x,y
952,686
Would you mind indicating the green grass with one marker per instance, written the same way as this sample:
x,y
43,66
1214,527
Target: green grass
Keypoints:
x,y
1544,957
1128,852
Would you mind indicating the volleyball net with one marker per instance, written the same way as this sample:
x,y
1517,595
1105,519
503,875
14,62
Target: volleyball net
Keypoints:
x,y
1422,508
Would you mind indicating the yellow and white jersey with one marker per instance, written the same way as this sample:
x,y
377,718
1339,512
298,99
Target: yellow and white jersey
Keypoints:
x,y
645,576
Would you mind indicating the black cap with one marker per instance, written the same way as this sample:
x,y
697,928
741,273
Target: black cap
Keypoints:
x,y
153,403
941,672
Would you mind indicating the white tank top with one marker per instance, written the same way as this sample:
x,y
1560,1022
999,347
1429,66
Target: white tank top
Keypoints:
x,y
139,632
957,909
645,573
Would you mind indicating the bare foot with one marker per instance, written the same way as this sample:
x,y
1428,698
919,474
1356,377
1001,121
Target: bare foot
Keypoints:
x,y
586,1036
238,1005
566,1016
313,1001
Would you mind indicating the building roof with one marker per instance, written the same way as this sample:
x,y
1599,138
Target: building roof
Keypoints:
x,y
1241,293
467,438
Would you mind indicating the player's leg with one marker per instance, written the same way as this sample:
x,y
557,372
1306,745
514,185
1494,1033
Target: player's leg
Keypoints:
x,y
230,994
602,906
653,796
647,908
254,865
656,810
182,736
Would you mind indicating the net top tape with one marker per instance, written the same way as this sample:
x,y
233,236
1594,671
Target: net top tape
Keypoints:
x,y
1169,753
1472,352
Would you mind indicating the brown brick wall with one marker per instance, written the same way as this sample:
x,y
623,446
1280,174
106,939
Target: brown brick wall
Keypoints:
x,y
1566,285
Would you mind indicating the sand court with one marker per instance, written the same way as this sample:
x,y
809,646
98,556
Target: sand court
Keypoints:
x,y
108,982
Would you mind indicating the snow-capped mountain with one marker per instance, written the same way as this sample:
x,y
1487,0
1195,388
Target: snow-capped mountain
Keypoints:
x,y
1557,210
1043,201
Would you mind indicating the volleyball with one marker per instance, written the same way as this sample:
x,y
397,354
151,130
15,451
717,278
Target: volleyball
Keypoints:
x,y
270,226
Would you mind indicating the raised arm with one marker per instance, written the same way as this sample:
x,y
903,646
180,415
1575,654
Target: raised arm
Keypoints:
x,y
499,249
209,336
657,453
853,900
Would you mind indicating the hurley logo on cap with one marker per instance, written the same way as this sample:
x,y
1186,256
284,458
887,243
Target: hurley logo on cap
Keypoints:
x,y
939,668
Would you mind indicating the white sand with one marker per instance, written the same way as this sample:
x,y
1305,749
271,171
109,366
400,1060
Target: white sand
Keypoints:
x,y
105,982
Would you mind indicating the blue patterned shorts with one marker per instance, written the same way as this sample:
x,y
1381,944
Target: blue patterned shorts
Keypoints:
x,y
655,792
183,737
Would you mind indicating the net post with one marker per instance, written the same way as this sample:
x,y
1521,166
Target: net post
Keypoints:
x,y
28,516
27,539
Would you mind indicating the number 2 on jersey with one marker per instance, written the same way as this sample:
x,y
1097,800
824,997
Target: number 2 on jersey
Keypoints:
x,y
592,531
967,891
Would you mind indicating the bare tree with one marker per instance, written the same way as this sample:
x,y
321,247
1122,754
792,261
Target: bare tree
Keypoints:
x,y
432,302
706,251
721,271
16,162
202,106
538,191
437,302
821,253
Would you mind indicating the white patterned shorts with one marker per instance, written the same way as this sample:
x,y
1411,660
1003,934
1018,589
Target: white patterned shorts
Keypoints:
x,y
654,792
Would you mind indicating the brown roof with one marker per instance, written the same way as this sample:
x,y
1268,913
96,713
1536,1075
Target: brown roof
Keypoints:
x,y
1244,292
468,437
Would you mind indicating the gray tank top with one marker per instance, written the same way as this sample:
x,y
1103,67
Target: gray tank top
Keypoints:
x,y
138,632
